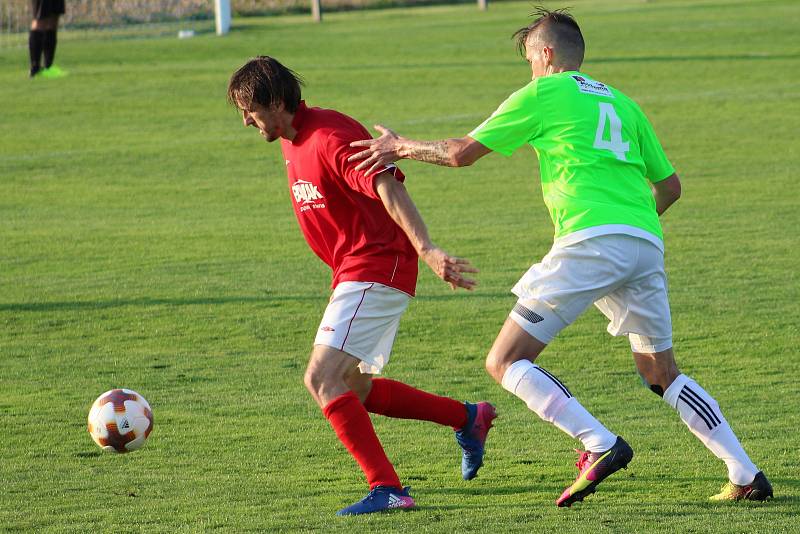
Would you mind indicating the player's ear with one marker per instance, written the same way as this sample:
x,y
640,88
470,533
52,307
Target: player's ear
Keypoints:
x,y
549,55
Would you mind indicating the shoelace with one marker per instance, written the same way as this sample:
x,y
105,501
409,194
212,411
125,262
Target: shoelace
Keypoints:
x,y
583,460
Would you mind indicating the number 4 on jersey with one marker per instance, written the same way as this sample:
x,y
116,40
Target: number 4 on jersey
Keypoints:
x,y
615,144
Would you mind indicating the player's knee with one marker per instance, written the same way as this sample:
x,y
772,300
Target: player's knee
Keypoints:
x,y
656,384
314,380
495,366
657,370
324,383
666,381
309,380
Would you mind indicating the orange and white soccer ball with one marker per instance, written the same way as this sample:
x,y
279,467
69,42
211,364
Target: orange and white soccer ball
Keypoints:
x,y
120,420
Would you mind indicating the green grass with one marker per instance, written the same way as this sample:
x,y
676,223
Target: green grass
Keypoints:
x,y
147,241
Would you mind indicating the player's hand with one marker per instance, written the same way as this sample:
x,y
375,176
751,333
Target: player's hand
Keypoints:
x,y
449,268
380,152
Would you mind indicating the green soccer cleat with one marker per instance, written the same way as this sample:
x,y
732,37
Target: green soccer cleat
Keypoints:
x,y
52,73
758,490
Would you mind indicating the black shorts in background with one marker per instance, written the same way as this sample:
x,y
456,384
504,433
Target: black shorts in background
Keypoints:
x,y
43,9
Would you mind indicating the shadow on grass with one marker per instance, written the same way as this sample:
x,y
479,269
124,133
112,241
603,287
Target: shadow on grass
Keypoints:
x,y
784,505
783,482
93,454
458,295
442,507
489,490
147,302
144,302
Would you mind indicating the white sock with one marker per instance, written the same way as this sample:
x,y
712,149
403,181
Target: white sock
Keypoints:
x,y
552,401
702,415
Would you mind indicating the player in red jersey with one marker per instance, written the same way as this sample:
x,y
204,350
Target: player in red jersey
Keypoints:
x,y
365,227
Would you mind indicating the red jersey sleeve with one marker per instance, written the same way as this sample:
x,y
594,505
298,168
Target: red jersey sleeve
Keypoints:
x,y
339,150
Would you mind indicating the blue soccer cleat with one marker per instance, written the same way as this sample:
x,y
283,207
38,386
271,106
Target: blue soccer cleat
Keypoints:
x,y
380,499
473,437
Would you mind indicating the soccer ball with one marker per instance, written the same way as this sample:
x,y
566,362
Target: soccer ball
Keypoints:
x,y
120,420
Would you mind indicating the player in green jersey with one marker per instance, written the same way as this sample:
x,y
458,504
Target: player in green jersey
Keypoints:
x,y
605,180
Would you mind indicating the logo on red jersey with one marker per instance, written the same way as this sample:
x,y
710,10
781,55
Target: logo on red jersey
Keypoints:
x,y
306,192
307,195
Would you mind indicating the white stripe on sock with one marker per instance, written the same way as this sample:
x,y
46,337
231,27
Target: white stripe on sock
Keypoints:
x,y
702,415
545,395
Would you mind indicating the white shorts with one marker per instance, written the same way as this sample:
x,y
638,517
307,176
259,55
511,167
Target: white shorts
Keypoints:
x,y
622,275
362,319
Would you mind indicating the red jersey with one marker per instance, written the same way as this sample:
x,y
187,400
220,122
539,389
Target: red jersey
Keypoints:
x,y
341,215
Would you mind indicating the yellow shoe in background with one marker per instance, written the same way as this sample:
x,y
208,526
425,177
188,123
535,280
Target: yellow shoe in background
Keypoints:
x,y
758,490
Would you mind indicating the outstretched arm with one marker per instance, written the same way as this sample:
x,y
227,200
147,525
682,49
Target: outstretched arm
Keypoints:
x,y
390,147
403,211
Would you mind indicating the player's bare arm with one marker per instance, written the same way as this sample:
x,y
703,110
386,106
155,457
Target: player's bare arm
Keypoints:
x,y
390,147
666,192
403,211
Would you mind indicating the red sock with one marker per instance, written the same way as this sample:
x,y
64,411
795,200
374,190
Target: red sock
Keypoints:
x,y
352,425
395,399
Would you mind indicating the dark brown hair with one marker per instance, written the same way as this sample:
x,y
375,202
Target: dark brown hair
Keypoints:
x,y
563,32
265,81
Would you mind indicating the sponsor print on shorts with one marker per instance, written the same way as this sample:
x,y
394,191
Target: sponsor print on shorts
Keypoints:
x,y
307,195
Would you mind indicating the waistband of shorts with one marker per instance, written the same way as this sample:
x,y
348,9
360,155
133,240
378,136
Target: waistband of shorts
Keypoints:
x,y
609,229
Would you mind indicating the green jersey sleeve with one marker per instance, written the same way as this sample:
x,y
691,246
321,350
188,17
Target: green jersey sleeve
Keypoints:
x,y
656,163
515,123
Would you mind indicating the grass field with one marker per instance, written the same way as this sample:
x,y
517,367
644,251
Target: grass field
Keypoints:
x,y
147,241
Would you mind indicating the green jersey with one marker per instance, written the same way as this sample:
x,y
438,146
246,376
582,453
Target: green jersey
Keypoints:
x,y
596,151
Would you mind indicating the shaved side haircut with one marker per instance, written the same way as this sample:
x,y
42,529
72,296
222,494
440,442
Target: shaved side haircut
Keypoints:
x,y
556,29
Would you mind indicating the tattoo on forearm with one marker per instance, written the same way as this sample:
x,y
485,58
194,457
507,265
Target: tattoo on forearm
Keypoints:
x,y
431,152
